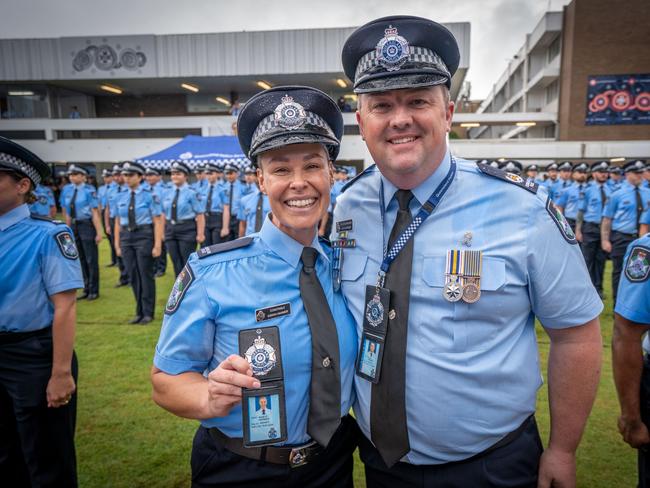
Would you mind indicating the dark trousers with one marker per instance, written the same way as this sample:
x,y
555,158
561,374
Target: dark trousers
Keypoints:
x,y
160,263
111,240
644,452
213,223
84,234
136,249
619,242
593,253
214,466
36,442
572,223
513,465
181,242
124,276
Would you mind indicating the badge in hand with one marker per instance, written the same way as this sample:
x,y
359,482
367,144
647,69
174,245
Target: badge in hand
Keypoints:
x,y
264,420
261,348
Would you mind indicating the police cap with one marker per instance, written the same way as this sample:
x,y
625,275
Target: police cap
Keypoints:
x,y
552,167
14,157
152,172
78,170
231,168
615,170
634,166
532,167
581,168
513,166
565,166
180,166
212,168
250,170
398,52
133,167
600,166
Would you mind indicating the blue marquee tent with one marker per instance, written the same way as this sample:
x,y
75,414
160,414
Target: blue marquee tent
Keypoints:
x,y
193,150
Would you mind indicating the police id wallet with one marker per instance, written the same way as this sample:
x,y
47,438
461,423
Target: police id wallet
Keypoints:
x,y
264,419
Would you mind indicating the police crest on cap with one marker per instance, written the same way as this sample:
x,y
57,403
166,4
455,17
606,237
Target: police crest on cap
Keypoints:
x,y
392,50
289,114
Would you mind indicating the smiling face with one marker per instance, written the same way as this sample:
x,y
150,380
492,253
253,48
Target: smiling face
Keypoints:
x,y
405,131
297,179
178,178
13,189
76,178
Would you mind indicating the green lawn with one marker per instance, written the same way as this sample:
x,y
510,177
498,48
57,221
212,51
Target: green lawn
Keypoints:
x,y
124,440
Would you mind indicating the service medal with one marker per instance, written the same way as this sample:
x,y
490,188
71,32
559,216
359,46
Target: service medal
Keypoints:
x,y
453,290
471,272
471,292
261,356
375,311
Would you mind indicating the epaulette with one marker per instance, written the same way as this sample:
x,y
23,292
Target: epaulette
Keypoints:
x,y
528,184
224,246
46,219
356,178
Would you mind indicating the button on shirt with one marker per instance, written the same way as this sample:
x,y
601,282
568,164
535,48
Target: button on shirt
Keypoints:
x,y
147,206
33,267
222,299
592,204
621,207
571,199
85,201
472,370
44,200
188,205
248,210
632,298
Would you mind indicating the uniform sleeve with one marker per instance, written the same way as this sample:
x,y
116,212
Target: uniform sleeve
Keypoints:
x,y
196,204
93,201
60,261
645,217
632,298
187,334
50,198
562,198
156,205
610,207
561,292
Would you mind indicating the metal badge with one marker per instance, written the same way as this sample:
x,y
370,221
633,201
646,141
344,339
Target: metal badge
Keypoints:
x,y
467,239
261,356
471,292
392,50
453,290
289,114
375,311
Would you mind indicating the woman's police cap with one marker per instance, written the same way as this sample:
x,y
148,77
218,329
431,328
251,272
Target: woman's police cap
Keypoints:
x,y
287,115
152,171
78,170
132,167
180,166
14,157
398,52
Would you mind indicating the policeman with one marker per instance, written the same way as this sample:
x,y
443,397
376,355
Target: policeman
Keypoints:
x,y
449,266
615,178
154,179
632,369
532,171
250,181
44,204
269,298
588,223
570,200
645,182
112,194
252,211
138,236
39,276
80,206
184,218
102,198
213,199
563,182
622,218
233,188
551,172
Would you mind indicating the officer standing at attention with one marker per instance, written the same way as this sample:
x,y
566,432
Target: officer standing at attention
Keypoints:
x,y
45,205
102,197
551,171
615,177
82,215
183,217
563,182
199,172
159,187
268,298
622,218
138,238
233,189
252,211
588,220
446,264
109,219
250,181
39,276
212,200
571,199
630,350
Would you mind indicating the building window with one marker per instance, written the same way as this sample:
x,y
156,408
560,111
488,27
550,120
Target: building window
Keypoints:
x,y
553,49
552,91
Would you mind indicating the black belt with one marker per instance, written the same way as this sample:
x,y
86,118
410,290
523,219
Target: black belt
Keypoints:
x,y
14,337
82,221
185,221
630,236
125,228
293,456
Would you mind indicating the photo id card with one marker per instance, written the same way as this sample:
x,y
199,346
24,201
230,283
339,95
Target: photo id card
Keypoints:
x,y
261,348
264,418
371,353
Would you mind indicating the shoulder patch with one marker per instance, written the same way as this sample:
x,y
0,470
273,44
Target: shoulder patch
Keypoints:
x,y
182,283
637,266
224,246
366,171
560,221
528,184
66,245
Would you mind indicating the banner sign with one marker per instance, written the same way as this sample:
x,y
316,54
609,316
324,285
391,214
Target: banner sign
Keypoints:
x,y
618,99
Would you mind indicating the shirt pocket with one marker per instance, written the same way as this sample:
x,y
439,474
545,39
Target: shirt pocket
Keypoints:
x,y
353,265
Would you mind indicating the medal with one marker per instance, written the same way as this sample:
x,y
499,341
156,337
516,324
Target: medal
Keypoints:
x,y
471,275
453,290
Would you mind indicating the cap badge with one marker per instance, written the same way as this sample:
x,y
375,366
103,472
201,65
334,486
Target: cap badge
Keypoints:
x,y
392,50
289,114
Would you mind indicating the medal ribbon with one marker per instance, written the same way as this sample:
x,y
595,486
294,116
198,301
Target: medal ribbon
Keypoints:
x,y
473,261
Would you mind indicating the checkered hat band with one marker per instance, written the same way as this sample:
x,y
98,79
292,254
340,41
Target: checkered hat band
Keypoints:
x,y
21,166
269,124
420,55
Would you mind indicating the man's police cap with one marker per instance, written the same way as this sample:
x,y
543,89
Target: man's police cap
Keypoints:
x,y
566,166
212,167
231,168
341,169
398,52
600,166
634,166
287,115
152,172
581,168
14,157
615,170
551,167
250,170
532,167
74,169
133,167
180,166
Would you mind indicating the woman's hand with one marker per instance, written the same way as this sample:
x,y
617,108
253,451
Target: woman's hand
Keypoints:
x,y
225,384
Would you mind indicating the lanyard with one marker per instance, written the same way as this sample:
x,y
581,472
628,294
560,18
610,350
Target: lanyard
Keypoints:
x,y
427,209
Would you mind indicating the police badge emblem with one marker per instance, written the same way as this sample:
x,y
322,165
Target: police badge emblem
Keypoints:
x,y
261,356
560,221
375,311
289,114
66,245
392,50
637,268
514,178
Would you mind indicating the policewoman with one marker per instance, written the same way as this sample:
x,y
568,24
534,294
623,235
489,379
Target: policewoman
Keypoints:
x,y
39,275
184,218
213,197
112,195
445,265
153,177
253,210
234,191
260,313
81,209
138,236
622,217
44,205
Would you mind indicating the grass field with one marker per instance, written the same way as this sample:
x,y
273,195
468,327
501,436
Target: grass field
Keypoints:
x,y
125,440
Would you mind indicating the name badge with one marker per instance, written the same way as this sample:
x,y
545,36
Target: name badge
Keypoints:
x,y
273,312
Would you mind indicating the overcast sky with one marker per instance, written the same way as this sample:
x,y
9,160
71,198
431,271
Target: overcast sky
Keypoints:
x,y
498,27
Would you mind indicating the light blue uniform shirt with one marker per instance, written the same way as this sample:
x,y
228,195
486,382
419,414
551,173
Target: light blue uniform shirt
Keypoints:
x,y
188,205
38,258
237,187
248,188
199,186
614,185
222,299
621,207
633,298
248,210
85,200
44,201
571,199
111,198
147,206
102,193
472,370
592,204
218,198
336,191
559,187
